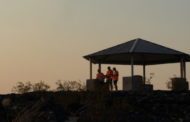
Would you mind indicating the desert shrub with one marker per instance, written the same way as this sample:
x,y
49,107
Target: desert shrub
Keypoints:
x,y
24,87
169,84
150,78
40,86
70,85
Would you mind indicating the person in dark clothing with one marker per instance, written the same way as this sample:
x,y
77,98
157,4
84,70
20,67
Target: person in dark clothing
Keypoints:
x,y
109,75
115,77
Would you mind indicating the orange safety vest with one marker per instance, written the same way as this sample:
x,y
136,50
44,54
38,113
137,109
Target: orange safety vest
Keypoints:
x,y
115,75
109,74
100,76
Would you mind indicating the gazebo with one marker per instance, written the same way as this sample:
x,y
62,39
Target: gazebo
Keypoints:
x,y
139,52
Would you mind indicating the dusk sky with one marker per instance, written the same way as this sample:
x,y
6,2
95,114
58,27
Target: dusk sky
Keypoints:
x,y
46,39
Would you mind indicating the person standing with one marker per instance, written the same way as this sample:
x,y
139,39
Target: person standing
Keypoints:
x,y
115,78
100,76
109,75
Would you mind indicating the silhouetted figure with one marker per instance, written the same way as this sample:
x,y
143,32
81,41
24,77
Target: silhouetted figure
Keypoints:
x,y
109,75
115,77
100,76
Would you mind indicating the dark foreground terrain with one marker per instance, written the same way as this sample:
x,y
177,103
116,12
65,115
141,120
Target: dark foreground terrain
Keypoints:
x,y
157,106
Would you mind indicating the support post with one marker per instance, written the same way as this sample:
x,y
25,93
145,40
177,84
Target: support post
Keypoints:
x,y
90,69
182,68
132,68
100,67
144,73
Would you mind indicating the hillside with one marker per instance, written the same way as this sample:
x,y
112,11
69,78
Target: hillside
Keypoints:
x,y
156,106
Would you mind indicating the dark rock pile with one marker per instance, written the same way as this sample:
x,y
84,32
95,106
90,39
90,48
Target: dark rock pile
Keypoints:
x,y
156,106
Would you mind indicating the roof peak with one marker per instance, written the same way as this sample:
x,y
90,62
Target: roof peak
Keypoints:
x,y
134,45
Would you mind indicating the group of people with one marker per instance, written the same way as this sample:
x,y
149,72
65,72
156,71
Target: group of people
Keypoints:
x,y
111,76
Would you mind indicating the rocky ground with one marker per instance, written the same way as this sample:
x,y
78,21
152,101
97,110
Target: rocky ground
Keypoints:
x,y
156,106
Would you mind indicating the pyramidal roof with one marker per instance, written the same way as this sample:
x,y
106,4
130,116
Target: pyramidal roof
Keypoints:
x,y
143,52
138,46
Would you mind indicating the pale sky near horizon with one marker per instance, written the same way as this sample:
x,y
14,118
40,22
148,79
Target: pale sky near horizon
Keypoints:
x,y
46,39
